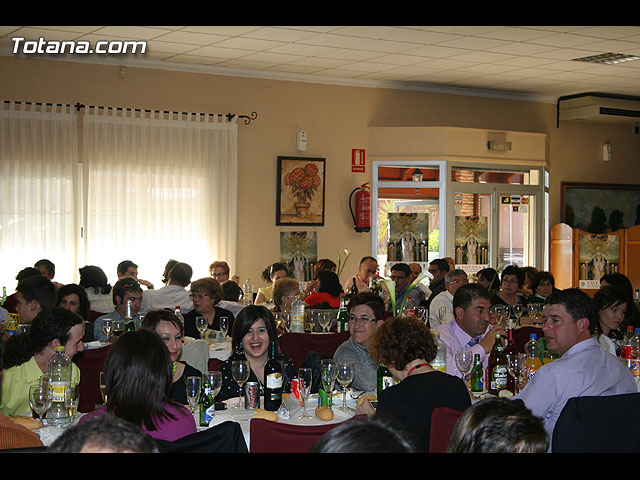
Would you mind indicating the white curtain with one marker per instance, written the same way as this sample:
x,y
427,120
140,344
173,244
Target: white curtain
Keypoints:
x,y
38,166
158,187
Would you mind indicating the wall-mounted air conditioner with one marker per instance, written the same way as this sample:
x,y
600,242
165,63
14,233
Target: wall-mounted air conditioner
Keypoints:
x,y
599,108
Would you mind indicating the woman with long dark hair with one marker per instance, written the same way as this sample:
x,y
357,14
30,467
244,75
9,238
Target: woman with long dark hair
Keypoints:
x,y
610,306
271,274
328,291
94,281
138,372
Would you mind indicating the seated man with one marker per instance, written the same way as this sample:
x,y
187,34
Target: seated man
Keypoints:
x,y
444,300
49,329
48,269
34,294
416,270
125,289
438,268
127,268
401,275
584,369
173,294
471,329
368,268
366,313
11,302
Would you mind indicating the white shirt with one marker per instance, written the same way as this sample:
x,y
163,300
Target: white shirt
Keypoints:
x,y
169,297
443,299
100,302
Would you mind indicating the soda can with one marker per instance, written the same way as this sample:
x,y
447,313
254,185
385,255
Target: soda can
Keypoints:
x,y
251,395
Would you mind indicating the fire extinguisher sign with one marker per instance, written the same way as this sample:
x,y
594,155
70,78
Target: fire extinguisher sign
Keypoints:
x,y
357,160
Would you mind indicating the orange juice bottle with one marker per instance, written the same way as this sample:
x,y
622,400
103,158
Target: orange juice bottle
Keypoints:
x,y
533,351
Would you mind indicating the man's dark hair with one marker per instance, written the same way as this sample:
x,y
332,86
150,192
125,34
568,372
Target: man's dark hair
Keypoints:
x,y
51,324
514,270
124,266
577,303
125,285
231,291
441,263
181,274
104,432
467,294
489,274
38,288
27,272
402,267
48,264
373,301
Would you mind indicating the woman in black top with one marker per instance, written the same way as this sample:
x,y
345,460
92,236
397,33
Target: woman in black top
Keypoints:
x,y
206,293
169,328
406,346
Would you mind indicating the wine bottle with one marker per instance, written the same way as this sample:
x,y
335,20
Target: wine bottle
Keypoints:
x,y
273,381
129,323
385,379
511,349
206,403
342,319
498,372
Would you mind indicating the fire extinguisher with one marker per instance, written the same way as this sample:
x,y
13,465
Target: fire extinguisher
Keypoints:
x,y
362,215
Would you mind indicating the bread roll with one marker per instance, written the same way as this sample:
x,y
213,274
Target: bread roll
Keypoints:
x,y
30,423
371,398
323,412
267,415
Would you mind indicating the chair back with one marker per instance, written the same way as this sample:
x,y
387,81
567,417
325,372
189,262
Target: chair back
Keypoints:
x,y
297,345
590,424
266,436
443,420
225,437
91,363
214,364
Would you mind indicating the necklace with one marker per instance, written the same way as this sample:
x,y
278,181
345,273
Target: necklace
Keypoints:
x,y
417,366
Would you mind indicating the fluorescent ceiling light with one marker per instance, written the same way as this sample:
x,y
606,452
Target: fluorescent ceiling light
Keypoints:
x,y
608,58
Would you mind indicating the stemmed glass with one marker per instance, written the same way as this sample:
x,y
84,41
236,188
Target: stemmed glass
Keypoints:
x,y
533,310
40,400
516,364
118,327
240,373
277,317
194,385
346,371
224,327
201,325
328,374
324,318
305,377
498,312
103,388
214,379
518,310
107,326
71,399
286,322
464,359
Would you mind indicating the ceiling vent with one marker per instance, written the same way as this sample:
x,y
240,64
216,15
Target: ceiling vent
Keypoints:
x,y
599,108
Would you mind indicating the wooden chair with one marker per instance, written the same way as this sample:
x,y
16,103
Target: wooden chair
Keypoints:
x,y
443,420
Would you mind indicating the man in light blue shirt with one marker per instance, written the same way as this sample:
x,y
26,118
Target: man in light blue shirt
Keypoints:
x,y
584,369
125,289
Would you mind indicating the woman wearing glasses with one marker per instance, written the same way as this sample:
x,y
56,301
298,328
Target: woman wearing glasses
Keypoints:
x,y
366,314
205,294
511,282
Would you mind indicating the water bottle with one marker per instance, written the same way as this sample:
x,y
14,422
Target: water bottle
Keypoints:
x,y
59,372
634,363
297,315
534,355
248,292
440,362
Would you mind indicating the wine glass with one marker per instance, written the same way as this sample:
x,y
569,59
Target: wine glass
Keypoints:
x,y
518,310
71,399
277,317
533,310
305,377
324,318
498,312
194,385
346,371
240,373
464,360
107,326
40,400
224,326
215,381
103,388
286,322
516,364
201,325
118,327
328,374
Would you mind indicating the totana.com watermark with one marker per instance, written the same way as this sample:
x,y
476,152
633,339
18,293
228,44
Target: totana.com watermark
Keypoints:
x,y
61,47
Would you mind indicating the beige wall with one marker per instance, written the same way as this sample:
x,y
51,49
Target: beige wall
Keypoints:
x,y
336,119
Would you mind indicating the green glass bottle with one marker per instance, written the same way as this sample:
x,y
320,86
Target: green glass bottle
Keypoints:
x,y
342,320
477,374
385,379
206,404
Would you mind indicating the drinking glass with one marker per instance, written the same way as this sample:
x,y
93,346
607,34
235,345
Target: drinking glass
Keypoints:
x,y
305,377
464,360
118,327
103,388
40,400
215,381
201,325
324,318
107,326
240,373
518,310
194,385
328,375
277,317
516,364
286,322
71,399
534,310
224,326
346,371
442,315
498,312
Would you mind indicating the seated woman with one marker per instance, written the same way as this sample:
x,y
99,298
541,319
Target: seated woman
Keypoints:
x,y
169,328
138,381
95,283
406,346
271,274
622,281
285,291
542,285
206,294
253,331
74,298
498,425
609,326
511,282
327,294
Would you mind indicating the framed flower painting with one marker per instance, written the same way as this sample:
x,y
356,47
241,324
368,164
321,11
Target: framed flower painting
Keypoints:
x,y
300,195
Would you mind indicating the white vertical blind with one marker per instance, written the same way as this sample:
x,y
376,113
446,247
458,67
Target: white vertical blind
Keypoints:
x,y
158,187
38,158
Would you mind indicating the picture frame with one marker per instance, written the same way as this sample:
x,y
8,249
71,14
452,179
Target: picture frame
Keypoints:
x,y
600,207
300,195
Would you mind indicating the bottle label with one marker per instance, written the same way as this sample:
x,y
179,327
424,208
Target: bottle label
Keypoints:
x,y
387,382
297,323
209,413
499,377
634,366
626,351
57,390
274,380
440,367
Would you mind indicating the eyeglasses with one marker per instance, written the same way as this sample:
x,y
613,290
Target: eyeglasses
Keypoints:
x,y
364,319
458,282
219,274
510,280
393,277
198,296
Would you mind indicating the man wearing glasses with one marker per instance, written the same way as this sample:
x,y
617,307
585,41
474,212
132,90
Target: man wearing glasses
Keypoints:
x,y
368,268
125,289
366,313
441,307
401,275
